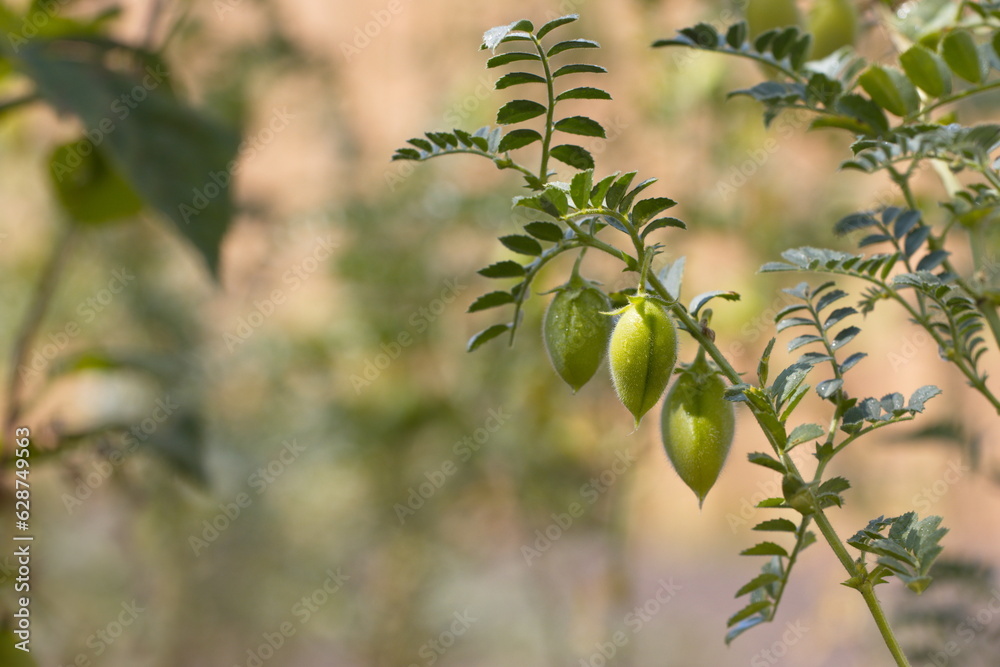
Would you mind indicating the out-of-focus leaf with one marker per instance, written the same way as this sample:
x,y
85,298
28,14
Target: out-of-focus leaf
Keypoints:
x,y
89,188
178,159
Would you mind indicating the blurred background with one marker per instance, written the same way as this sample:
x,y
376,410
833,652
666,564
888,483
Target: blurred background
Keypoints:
x,y
308,469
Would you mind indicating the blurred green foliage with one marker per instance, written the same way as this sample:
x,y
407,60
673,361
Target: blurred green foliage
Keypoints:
x,y
324,462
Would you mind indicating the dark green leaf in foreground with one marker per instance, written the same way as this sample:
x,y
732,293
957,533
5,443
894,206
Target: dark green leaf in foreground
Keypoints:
x,y
176,158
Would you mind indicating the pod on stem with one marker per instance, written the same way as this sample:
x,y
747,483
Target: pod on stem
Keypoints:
x,y
642,353
698,425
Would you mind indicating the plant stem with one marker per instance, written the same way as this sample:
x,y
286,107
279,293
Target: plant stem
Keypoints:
x,y
819,517
594,242
44,291
902,181
952,98
875,607
750,55
866,589
838,547
792,559
989,312
727,369
975,381
543,169
575,275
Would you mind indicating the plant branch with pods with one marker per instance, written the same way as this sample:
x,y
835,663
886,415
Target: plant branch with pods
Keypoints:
x,y
608,214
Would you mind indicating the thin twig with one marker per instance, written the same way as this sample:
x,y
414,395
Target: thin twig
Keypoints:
x,y
155,12
44,291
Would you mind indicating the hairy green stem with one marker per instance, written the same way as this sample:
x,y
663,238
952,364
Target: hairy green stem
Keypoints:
x,y
792,559
975,380
936,243
849,439
543,169
903,182
875,607
866,588
776,442
952,98
958,360
821,520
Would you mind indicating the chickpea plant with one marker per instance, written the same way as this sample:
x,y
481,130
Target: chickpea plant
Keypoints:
x,y
605,213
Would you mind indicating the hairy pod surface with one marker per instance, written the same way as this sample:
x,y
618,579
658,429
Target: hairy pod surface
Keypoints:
x,y
698,425
576,331
642,354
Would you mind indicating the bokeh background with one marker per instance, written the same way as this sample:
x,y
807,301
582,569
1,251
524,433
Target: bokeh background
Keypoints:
x,y
287,413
